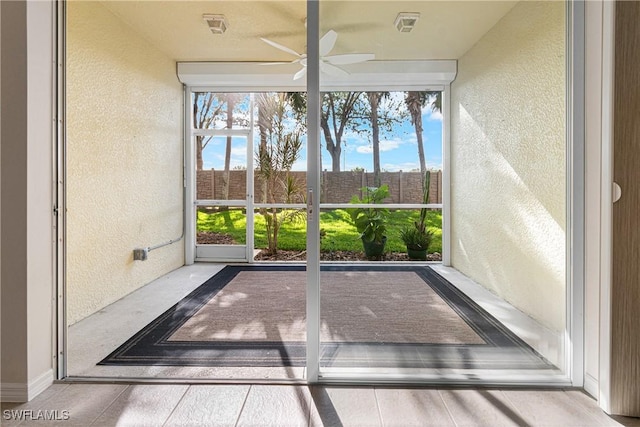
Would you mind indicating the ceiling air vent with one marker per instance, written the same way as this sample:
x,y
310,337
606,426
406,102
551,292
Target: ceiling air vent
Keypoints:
x,y
405,21
217,23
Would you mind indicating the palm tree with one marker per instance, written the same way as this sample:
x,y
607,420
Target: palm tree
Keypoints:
x,y
374,100
415,102
279,149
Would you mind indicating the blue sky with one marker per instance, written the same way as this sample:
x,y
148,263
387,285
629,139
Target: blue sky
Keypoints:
x,y
398,149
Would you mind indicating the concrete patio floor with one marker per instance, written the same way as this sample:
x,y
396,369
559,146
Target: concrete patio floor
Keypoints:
x,y
93,338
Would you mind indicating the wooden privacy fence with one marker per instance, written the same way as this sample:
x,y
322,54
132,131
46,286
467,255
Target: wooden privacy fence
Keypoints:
x,y
337,187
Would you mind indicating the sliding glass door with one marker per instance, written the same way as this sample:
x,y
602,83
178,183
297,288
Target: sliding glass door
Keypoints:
x,y
430,125
381,149
378,80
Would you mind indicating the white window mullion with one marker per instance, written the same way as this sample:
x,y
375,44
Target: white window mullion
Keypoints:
x,y
189,174
446,176
313,191
250,187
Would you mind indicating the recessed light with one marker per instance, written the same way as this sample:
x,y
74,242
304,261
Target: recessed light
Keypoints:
x,y
217,23
405,21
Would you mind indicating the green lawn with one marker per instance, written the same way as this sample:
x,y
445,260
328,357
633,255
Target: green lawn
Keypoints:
x,y
340,233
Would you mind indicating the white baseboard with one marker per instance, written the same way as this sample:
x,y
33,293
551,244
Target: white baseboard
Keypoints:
x,y
591,386
40,384
21,392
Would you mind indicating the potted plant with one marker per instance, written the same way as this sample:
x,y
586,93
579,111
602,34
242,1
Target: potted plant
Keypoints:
x,y
371,222
417,242
417,238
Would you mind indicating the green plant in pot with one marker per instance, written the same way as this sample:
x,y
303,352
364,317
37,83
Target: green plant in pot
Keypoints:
x,y
371,222
417,238
417,242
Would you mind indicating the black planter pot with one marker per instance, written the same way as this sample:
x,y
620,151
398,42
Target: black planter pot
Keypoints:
x,y
373,249
417,254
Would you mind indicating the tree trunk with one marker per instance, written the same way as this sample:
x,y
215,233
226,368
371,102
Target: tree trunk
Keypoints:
x,y
335,159
199,162
263,127
423,163
227,153
333,148
374,99
418,127
414,104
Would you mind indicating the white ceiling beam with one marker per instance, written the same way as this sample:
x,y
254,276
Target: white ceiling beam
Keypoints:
x,y
371,76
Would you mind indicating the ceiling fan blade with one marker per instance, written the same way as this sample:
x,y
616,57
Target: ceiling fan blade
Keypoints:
x,y
327,42
349,58
281,47
332,70
300,74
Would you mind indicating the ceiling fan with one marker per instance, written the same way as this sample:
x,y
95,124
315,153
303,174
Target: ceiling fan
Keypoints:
x,y
328,63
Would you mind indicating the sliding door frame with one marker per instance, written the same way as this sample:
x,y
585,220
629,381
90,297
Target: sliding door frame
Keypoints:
x,y
575,188
574,215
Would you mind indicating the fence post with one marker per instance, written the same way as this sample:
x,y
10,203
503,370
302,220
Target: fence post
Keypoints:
x,y
213,183
401,187
323,187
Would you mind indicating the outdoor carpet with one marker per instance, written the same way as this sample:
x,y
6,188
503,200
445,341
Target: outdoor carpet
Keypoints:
x,y
371,316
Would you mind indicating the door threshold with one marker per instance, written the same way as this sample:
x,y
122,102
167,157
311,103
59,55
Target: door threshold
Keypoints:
x,y
408,377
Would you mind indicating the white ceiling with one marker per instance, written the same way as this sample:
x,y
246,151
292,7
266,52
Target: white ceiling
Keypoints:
x,y
445,30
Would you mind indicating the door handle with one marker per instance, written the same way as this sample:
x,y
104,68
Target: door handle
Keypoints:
x,y
310,205
616,192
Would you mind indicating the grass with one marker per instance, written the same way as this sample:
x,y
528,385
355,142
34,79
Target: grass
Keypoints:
x,y
340,233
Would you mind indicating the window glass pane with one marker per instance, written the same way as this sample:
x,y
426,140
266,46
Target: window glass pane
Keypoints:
x,y
220,110
287,241
374,139
221,168
221,225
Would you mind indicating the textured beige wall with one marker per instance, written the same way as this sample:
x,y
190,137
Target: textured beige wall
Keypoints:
x,y
124,184
508,161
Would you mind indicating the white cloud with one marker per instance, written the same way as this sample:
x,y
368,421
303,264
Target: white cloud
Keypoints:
x,y
385,145
406,166
299,165
435,116
239,151
351,141
388,145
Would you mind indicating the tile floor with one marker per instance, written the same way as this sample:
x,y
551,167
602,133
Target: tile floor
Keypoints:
x,y
274,405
